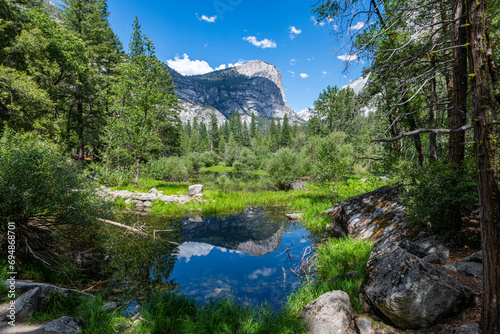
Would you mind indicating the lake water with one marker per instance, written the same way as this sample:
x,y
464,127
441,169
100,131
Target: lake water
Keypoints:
x,y
247,256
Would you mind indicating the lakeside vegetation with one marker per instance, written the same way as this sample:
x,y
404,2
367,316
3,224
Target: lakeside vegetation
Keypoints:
x,y
77,112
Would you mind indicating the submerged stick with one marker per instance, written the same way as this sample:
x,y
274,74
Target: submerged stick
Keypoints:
x,y
134,230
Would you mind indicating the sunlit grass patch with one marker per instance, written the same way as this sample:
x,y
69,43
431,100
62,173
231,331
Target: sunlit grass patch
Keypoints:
x,y
217,169
171,312
335,259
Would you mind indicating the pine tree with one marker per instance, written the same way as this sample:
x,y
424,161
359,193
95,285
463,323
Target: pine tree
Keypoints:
x,y
214,132
253,127
285,133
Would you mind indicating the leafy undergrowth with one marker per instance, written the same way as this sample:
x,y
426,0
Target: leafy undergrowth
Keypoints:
x,y
340,264
96,320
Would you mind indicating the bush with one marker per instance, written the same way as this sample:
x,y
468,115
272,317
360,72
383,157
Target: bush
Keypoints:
x,y
168,169
283,168
333,157
209,159
47,197
110,178
438,195
195,160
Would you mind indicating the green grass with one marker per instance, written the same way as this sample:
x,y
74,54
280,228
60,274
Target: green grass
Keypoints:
x,y
311,202
3,288
171,312
217,169
90,309
333,258
169,188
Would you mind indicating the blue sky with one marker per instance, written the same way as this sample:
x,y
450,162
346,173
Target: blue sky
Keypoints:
x,y
198,35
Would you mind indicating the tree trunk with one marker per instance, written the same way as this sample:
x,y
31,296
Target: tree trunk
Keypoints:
x,y
486,160
416,139
457,116
433,97
80,130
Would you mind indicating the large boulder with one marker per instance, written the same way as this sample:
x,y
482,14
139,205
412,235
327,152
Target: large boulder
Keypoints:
x,y
62,325
195,189
409,292
330,313
27,304
470,269
373,216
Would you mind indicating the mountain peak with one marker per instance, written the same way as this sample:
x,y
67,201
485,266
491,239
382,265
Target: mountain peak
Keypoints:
x,y
261,69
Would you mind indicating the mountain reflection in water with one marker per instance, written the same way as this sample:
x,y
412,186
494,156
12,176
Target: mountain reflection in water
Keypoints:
x,y
240,256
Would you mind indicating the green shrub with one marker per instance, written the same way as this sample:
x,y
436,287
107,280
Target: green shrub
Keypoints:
x,y
209,159
438,195
333,157
168,169
283,168
53,205
196,161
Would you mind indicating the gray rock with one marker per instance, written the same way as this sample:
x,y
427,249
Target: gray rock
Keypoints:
x,y
195,189
449,267
128,201
468,329
298,185
363,326
110,307
148,204
374,215
27,304
62,325
167,199
470,269
383,179
476,257
425,247
329,313
409,292
433,258
293,216
195,219
153,191
363,180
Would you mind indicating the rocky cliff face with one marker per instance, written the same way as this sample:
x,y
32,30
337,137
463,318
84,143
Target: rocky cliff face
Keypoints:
x,y
252,88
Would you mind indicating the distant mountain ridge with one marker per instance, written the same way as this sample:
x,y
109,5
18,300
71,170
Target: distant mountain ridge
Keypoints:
x,y
252,88
358,86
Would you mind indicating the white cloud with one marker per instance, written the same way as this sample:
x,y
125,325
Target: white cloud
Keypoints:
x,y
186,66
221,67
291,72
210,19
224,66
347,57
357,26
265,272
292,61
265,43
294,32
304,75
324,72
190,249
324,22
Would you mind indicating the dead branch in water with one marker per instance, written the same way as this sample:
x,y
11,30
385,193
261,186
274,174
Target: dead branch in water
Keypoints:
x,y
133,230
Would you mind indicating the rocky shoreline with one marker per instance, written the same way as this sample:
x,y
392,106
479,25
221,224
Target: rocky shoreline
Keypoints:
x,y
144,201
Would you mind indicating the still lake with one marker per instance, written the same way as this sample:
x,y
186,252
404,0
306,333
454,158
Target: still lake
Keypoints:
x,y
249,256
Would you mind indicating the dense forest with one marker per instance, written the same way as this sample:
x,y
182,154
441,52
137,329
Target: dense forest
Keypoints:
x,y
72,98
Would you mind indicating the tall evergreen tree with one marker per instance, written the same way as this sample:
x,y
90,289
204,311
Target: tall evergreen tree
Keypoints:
x,y
145,106
285,133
